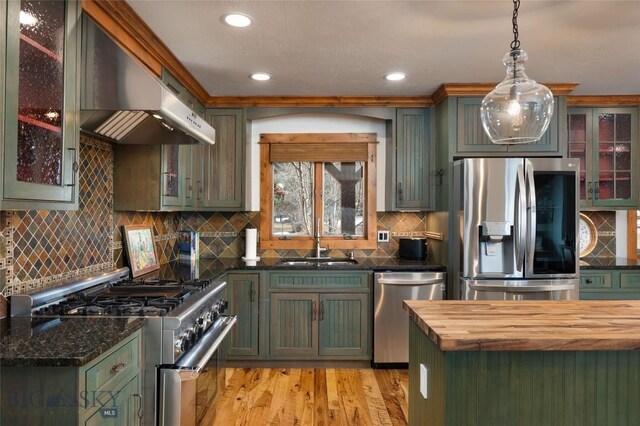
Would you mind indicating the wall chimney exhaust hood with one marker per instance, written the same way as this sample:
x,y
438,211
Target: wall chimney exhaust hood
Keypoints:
x,y
121,101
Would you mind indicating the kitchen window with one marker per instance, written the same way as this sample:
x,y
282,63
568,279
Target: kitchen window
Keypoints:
x,y
318,182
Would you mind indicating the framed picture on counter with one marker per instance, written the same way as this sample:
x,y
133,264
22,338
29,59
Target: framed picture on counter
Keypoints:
x,y
140,249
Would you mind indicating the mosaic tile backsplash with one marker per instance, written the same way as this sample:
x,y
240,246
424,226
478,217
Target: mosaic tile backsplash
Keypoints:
x,y
222,234
47,246
605,223
39,249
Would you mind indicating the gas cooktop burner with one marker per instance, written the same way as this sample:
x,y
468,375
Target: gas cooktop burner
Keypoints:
x,y
79,304
155,282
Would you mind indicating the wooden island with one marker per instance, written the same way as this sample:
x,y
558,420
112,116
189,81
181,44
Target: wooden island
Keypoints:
x,y
524,363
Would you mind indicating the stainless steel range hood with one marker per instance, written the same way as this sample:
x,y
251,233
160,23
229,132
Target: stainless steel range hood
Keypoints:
x,y
124,103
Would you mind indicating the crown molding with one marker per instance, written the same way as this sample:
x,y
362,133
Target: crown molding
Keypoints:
x,y
482,89
319,101
603,100
123,24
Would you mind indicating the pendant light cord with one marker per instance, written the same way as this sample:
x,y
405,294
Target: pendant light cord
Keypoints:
x,y
515,44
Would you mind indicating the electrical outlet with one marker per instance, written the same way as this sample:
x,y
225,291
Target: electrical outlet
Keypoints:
x,y
383,236
424,381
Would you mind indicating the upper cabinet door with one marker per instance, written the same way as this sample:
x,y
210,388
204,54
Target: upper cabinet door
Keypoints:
x,y
615,171
413,158
224,164
41,99
473,140
605,140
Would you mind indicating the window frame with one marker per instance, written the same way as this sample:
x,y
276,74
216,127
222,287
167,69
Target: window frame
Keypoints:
x,y
318,148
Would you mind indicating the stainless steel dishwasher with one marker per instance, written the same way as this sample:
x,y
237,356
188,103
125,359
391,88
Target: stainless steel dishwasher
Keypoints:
x,y
390,321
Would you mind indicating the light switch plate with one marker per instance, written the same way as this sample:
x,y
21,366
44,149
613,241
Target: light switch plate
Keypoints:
x,y
424,381
383,236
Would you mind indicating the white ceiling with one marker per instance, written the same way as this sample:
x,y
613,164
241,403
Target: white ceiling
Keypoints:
x,y
344,48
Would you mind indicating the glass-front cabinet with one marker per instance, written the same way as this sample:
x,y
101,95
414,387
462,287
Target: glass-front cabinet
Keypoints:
x,y
605,140
40,167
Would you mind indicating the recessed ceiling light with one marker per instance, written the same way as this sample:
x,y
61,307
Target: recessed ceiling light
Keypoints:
x,y
238,20
261,76
395,76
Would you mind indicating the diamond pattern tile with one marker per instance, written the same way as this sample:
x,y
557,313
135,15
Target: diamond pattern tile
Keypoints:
x,y
605,223
222,234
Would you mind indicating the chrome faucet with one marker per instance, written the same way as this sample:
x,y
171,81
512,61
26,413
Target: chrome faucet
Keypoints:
x,y
319,249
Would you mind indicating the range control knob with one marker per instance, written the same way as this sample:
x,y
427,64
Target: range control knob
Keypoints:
x,y
183,344
194,334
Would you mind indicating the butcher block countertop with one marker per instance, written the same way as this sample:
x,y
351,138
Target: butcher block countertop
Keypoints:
x,y
455,325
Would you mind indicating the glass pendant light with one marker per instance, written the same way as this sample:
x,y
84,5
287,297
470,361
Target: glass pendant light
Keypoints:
x,y
518,110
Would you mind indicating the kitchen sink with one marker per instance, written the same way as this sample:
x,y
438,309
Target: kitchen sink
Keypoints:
x,y
327,261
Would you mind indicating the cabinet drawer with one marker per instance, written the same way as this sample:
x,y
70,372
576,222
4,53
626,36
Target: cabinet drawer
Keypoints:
x,y
629,280
317,281
598,280
121,364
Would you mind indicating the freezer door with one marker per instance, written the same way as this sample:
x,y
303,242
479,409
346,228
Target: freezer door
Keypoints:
x,y
556,289
491,232
552,218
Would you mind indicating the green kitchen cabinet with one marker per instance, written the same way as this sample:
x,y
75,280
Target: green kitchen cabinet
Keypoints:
x,y
192,186
178,89
40,77
525,388
605,140
243,295
223,172
293,331
473,140
123,410
148,177
609,284
412,160
90,394
320,315
343,324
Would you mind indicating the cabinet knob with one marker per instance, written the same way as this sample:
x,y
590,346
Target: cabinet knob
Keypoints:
x,y
588,281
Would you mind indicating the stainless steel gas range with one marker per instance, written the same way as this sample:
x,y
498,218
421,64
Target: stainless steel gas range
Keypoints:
x,y
185,327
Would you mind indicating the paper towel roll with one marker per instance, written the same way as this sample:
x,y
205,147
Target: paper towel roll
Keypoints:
x,y
250,242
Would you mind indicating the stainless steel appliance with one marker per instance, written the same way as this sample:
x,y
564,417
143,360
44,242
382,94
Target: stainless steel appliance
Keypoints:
x,y
123,102
185,324
514,229
390,321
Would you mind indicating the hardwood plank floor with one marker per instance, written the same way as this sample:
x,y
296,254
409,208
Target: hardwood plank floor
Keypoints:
x,y
311,397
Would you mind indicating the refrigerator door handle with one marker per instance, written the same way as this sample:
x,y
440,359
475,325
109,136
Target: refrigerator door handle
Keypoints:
x,y
531,215
520,223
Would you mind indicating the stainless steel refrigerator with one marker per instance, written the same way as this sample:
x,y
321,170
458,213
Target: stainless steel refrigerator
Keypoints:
x,y
515,222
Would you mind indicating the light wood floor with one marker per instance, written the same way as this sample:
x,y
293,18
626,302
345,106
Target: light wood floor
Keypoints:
x,y
289,396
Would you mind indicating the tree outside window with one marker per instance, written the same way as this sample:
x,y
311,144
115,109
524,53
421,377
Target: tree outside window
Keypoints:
x,y
311,180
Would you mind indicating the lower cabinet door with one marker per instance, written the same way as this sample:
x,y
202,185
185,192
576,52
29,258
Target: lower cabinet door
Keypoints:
x,y
293,330
343,325
119,408
243,302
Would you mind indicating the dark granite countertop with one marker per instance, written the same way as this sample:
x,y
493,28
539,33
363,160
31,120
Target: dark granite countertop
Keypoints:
x,y
587,263
213,268
61,342
75,341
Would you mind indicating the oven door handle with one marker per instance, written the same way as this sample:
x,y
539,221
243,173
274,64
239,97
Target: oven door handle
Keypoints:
x,y
197,357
